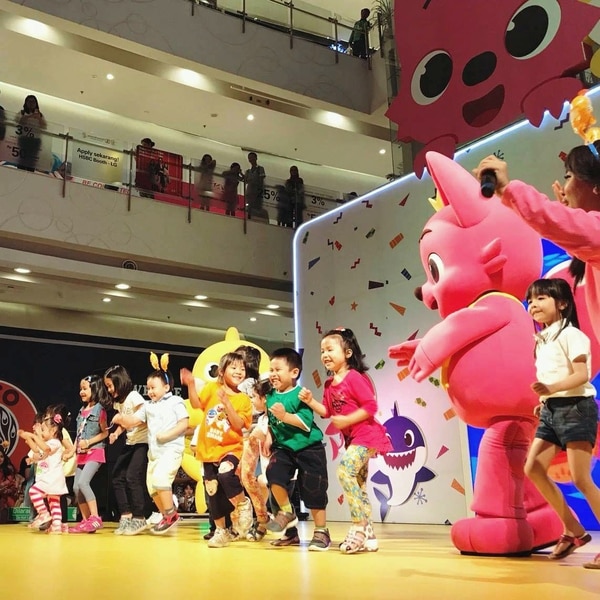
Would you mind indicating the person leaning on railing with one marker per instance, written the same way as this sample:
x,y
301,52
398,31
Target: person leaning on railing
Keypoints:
x,y
359,35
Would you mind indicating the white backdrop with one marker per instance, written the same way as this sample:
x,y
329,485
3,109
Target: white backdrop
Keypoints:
x,y
357,268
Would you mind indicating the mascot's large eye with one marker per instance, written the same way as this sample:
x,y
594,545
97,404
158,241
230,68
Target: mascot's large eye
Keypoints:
x,y
532,28
409,438
436,267
431,77
211,371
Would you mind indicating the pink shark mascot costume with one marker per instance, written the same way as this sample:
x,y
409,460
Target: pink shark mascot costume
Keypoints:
x,y
480,258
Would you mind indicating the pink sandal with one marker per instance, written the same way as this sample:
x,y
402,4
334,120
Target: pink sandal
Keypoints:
x,y
572,543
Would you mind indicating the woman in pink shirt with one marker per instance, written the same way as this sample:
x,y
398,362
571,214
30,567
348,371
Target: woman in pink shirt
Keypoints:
x,y
573,223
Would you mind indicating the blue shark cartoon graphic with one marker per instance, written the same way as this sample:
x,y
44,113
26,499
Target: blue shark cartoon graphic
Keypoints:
x,y
403,468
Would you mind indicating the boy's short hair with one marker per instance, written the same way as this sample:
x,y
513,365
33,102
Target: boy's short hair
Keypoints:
x,y
293,359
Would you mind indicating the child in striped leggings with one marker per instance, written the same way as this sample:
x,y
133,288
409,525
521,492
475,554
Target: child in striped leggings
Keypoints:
x,y
49,475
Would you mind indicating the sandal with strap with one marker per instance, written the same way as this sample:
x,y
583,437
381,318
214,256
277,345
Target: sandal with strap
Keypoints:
x,y
257,532
570,544
595,564
354,542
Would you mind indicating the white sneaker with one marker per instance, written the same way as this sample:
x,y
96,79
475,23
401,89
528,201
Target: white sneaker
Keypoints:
x,y
123,524
221,539
154,519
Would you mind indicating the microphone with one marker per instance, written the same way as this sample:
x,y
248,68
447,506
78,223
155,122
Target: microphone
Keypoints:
x,y
488,183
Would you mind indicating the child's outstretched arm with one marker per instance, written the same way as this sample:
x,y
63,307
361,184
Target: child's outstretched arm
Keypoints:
x,y
306,396
280,413
36,443
172,434
187,378
127,421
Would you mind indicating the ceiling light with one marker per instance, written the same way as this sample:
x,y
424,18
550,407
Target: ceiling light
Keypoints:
x,y
110,76
105,299
250,117
382,151
22,270
273,306
253,319
200,297
122,286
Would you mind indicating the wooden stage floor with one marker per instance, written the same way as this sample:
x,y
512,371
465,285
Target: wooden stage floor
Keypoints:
x,y
414,562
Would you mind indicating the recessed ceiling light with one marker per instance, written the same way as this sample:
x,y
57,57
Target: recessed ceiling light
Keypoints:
x,y
253,319
22,270
106,300
273,306
122,286
200,297
382,151
110,76
250,117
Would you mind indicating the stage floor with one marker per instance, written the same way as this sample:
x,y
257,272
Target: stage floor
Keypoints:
x,y
414,562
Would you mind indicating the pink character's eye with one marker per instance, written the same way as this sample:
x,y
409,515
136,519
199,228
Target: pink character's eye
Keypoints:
x,y
436,267
532,28
431,77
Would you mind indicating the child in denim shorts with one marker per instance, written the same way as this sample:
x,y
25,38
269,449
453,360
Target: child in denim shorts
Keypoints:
x,y
567,411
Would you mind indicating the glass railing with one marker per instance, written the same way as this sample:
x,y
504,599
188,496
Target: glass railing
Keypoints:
x,y
297,19
75,156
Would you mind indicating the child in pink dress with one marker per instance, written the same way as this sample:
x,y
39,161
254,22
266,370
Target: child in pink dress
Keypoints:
x,y
349,400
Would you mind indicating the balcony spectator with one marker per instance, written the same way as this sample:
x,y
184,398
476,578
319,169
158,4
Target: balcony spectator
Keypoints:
x,y
205,181
359,37
285,213
255,187
294,187
30,121
232,178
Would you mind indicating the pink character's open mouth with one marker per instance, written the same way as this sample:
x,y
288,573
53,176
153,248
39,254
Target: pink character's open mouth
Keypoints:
x,y
479,113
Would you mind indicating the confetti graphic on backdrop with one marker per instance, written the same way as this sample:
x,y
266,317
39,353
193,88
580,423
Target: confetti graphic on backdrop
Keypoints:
x,y
398,308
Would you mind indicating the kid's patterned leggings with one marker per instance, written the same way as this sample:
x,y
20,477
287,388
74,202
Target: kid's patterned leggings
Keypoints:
x,y
352,473
258,493
37,499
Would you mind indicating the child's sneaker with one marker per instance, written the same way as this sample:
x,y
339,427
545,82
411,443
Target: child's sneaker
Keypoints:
x,y
371,544
55,528
320,541
79,527
123,524
135,526
241,518
355,541
281,522
167,522
42,520
222,538
93,524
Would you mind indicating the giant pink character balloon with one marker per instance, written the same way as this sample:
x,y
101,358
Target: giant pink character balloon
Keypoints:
x,y
480,258
470,68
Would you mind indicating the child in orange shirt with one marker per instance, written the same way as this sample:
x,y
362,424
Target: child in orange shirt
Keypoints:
x,y
227,412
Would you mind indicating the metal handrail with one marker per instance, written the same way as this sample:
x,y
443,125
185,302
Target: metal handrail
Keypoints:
x,y
290,24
